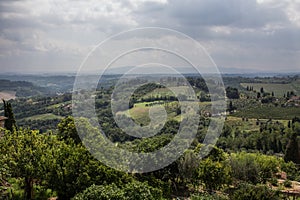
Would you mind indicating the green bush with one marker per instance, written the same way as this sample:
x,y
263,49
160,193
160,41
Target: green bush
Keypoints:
x,y
293,173
131,191
108,192
253,167
139,191
214,174
252,192
287,183
208,197
274,181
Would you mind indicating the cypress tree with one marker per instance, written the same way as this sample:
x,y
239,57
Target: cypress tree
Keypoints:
x,y
10,122
292,150
258,95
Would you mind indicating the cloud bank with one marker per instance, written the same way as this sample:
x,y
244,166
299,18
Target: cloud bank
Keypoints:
x,y
55,36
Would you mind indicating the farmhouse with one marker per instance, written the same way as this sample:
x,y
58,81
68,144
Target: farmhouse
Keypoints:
x,y
295,98
293,101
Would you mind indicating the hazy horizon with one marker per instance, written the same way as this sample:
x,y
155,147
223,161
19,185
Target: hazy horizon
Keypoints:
x,y
223,71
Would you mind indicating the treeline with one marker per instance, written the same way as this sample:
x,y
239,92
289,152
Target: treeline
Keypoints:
x,y
272,138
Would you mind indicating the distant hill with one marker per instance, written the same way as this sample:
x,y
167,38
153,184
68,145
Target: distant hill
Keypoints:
x,y
22,88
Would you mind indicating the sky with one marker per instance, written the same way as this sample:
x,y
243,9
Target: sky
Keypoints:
x,y
239,35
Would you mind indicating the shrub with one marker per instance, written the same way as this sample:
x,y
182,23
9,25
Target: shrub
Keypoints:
x,y
132,191
214,174
252,192
108,192
287,183
274,181
208,197
291,169
253,167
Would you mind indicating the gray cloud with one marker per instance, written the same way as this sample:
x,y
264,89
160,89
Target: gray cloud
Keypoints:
x,y
237,33
236,13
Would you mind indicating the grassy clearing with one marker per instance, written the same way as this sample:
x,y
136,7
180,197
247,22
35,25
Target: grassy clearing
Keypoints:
x,y
247,126
278,89
140,114
162,92
47,116
55,106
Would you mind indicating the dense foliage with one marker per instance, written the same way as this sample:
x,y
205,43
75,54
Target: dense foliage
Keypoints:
x,y
45,157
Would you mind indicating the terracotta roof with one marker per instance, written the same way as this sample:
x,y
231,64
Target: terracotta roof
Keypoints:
x,y
3,118
295,98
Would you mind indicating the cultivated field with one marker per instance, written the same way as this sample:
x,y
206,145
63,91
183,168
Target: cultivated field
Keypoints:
x,y
267,112
7,95
278,89
47,116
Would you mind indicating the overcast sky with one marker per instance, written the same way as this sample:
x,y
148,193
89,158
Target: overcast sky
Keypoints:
x,y
56,35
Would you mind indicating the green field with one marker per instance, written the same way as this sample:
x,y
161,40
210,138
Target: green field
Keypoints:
x,y
249,125
47,116
278,89
140,113
161,92
267,112
55,106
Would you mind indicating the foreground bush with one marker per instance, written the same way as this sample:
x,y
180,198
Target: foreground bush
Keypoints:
x,y
132,191
252,192
208,197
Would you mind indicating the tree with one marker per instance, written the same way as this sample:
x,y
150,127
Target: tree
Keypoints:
x,y
25,153
10,122
67,130
253,167
258,95
231,108
4,174
214,174
292,150
64,167
232,93
187,167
